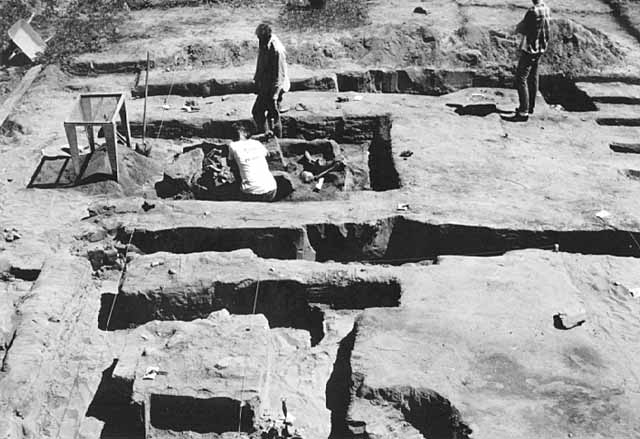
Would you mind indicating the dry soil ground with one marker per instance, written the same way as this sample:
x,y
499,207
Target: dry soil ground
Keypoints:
x,y
480,283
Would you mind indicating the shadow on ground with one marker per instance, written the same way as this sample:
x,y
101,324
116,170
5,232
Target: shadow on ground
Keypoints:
x,y
480,110
57,171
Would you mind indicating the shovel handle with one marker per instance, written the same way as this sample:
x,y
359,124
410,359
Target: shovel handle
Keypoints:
x,y
329,169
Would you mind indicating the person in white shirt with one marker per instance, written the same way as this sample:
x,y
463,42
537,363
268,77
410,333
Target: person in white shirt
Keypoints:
x,y
248,162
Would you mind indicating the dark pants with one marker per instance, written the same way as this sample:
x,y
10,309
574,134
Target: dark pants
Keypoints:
x,y
265,110
269,196
527,81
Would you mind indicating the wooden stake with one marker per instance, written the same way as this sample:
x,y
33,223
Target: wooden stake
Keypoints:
x,y
144,113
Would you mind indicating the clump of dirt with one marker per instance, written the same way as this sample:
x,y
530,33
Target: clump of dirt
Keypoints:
x,y
573,48
10,128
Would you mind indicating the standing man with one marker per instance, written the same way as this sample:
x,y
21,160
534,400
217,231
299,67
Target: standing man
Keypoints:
x,y
534,29
271,80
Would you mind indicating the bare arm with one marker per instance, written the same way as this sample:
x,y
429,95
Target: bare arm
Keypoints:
x,y
233,166
278,79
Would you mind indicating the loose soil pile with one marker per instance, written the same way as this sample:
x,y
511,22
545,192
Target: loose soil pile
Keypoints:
x,y
574,48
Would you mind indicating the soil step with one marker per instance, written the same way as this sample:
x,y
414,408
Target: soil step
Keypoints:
x,y
312,115
611,93
618,115
411,80
166,286
219,82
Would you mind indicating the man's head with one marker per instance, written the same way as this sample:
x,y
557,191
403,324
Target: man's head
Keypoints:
x,y
263,32
239,133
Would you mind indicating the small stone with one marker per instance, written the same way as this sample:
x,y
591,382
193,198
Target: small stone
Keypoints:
x,y
171,271
306,177
146,206
406,154
96,236
472,56
569,320
420,10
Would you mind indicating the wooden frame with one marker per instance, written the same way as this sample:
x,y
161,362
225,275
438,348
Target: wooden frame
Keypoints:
x,y
98,110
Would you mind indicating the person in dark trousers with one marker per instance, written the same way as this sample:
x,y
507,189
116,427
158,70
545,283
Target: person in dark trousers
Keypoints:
x,y
271,81
535,31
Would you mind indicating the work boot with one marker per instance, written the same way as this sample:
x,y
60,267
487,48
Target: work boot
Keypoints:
x,y
521,115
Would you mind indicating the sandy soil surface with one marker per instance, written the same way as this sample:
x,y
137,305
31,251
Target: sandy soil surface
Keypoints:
x,y
437,308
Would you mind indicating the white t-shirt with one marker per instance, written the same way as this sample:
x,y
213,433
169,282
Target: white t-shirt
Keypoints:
x,y
251,158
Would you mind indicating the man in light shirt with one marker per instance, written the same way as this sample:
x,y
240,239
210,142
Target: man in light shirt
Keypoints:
x,y
248,161
271,81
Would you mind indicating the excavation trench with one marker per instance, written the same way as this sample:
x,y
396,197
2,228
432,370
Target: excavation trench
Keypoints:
x,y
285,303
556,88
349,154
433,415
113,405
427,411
395,240
200,415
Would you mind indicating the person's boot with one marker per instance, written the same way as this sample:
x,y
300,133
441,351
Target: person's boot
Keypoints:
x,y
521,115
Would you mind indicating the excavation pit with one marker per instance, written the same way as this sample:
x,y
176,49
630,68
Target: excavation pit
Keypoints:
x,y
201,415
362,159
192,376
290,295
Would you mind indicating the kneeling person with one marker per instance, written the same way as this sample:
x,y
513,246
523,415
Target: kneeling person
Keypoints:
x,y
248,159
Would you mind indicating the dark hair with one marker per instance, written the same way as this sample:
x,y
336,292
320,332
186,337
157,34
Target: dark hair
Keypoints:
x,y
239,132
264,29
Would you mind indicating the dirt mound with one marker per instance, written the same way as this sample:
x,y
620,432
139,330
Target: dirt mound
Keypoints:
x,y
388,46
135,171
53,77
627,12
579,48
574,48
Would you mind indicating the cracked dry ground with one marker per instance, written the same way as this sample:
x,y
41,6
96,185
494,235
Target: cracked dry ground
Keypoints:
x,y
464,277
